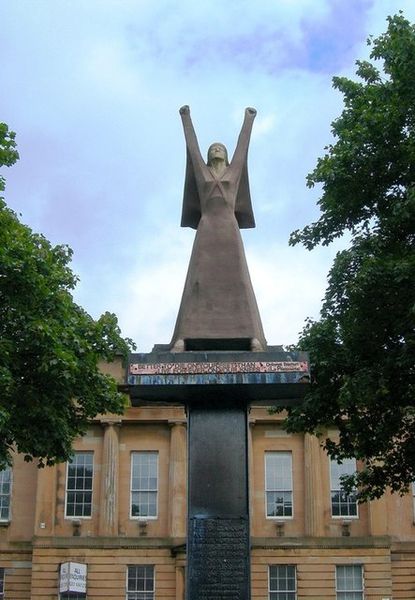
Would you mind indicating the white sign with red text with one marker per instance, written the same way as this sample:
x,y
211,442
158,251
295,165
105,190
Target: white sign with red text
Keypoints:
x,y
72,577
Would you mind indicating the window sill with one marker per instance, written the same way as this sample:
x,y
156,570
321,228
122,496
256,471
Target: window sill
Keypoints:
x,y
4,523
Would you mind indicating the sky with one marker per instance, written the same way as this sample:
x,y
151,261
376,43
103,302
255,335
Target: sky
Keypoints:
x,y
92,89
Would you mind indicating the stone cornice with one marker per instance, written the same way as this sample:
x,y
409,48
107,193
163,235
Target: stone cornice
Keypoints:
x,y
321,543
256,543
106,542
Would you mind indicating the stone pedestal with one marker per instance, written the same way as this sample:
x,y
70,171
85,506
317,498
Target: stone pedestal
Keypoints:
x,y
218,519
217,388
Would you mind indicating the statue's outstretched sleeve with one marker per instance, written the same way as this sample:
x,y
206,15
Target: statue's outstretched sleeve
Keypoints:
x,y
243,206
194,161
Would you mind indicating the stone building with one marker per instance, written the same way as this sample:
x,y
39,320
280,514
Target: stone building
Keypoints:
x,y
119,509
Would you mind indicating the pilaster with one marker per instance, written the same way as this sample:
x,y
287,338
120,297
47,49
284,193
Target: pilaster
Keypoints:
x,y
108,515
46,492
177,479
378,517
314,506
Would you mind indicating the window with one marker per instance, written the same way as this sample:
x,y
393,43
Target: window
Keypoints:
x,y
144,481
5,492
342,503
278,484
349,582
282,582
1,584
140,582
413,498
80,472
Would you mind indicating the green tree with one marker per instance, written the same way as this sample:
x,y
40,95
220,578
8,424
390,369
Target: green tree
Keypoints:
x,y
363,346
50,348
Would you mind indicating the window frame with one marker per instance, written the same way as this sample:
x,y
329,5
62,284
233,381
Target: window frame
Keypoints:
x,y
334,490
413,500
2,582
76,517
9,495
286,591
266,490
127,591
362,574
156,490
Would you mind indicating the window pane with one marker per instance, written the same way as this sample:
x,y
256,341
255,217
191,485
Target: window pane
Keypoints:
x,y
279,504
349,582
278,484
144,484
346,467
282,582
342,504
5,491
79,485
140,582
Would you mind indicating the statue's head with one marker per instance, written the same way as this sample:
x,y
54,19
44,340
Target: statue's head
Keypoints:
x,y
218,151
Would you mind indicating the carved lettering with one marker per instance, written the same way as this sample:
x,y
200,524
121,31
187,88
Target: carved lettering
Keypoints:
x,y
201,368
219,550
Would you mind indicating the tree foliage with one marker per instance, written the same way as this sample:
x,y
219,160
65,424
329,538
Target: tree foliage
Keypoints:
x,y
50,348
363,346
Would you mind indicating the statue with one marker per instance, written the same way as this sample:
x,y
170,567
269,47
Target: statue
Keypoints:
x,y
218,301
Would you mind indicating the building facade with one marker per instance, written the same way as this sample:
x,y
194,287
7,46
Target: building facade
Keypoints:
x,y
116,516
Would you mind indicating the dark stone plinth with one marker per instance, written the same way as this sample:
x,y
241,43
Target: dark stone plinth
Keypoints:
x,y
218,514
217,388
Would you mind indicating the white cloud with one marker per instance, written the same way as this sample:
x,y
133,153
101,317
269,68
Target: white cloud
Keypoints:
x,y
264,125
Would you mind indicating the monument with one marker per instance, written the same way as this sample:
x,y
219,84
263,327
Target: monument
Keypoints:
x,y
218,300
217,364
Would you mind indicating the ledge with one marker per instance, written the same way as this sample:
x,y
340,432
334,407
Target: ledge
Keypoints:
x,y
178,545
403,547
323,542
106,542
16,547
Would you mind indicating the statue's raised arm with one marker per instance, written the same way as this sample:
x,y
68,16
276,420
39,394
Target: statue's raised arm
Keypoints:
x,y
241,151
243,206
194,162
192,145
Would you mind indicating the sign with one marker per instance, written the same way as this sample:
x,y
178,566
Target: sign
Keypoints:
x,y
72,577
219,367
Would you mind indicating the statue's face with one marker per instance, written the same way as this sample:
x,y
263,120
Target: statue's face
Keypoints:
x,y
217,151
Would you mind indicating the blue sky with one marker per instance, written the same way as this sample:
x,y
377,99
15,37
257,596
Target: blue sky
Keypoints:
x,y
92,89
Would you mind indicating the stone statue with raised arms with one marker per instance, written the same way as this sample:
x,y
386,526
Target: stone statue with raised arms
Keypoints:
x,y
218,301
